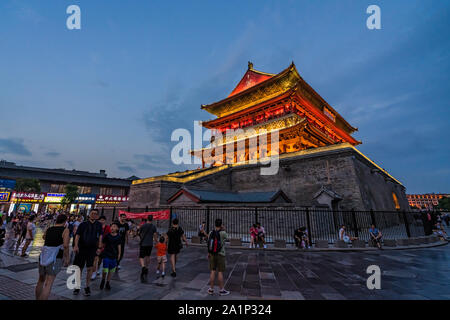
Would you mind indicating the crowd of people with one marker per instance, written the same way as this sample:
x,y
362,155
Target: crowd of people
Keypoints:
x,y
99,247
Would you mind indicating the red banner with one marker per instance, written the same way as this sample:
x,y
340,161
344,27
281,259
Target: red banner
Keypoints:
x,y
157,215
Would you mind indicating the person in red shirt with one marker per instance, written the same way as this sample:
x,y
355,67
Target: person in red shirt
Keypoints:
x,y
161,248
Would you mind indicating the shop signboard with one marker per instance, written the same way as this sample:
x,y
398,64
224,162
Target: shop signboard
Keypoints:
x,y
108,199
86,198
7,184
54,197
27,197
4,196
24,207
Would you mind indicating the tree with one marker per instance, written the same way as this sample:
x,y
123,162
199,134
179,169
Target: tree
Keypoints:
x,y
71,195
444,204
28,185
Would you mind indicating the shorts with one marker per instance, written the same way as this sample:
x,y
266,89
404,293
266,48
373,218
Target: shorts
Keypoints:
x,y
175,249
161,259
109,264
85,257
217,262
145,251
52,269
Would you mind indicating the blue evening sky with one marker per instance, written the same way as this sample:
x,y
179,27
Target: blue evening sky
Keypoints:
x,y
109,95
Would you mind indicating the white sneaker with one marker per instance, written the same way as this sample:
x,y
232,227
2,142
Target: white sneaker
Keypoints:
x,y
224,292
94,275
98,273
265,247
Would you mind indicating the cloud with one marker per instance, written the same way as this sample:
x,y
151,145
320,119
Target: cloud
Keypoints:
x,y
14,146
128,169
53,154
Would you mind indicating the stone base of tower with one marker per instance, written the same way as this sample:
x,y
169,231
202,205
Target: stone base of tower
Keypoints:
x,y
337,176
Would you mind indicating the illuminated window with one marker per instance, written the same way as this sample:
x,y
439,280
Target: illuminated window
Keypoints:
x,y
396,204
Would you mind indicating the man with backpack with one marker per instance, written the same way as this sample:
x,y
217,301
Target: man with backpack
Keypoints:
x,y
216,257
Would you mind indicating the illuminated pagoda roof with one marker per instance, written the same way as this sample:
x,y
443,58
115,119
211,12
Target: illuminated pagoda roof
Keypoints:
x,y
258,88
251,78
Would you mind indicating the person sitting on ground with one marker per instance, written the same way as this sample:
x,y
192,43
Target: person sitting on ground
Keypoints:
x,y
305,238
375,236
261,235
344,236
439,230
298,237
202,231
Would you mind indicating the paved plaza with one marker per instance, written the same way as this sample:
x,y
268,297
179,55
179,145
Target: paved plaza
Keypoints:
x,y
252,274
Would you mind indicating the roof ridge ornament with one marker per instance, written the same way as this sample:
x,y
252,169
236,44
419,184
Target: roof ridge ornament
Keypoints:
x,y
250,65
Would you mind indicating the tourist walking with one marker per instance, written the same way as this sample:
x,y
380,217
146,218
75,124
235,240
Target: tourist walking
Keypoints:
x,y
216,257
161,259
87,245
253,235
54,255
98,258
147,234
110,253
124,229
21,230
175,235
30,233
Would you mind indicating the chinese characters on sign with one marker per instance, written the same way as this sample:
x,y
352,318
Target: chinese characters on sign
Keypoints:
x,y
27,197
106,199
54,197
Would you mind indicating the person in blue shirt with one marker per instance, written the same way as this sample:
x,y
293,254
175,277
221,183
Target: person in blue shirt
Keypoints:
x,y
375,236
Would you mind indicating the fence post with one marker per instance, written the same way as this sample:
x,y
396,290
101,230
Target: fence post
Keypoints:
x,y
256,214
408,232
308,225
355,223
114,213
372,217
207,219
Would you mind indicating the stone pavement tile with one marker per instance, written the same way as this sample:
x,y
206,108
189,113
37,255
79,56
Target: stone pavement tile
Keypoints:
x,y
200,281
270,291
333,296
412,297
266,275
292,295
250,292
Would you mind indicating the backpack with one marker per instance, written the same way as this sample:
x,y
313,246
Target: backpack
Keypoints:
x,y
214,242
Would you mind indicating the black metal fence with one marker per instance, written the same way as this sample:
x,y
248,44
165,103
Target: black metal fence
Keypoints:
x,y
280,222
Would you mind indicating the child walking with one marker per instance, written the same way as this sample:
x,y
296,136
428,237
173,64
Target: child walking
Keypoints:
x,y
111,254
161,248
